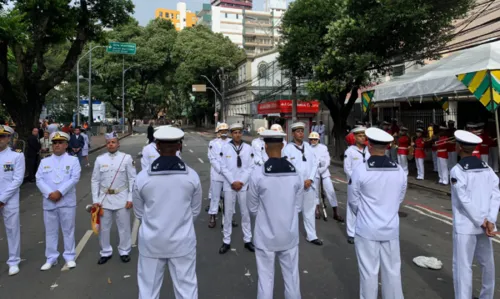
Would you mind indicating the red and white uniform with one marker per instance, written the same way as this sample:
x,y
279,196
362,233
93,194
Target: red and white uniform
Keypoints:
x,y
484,149
442,157
403,144
452,151
419,157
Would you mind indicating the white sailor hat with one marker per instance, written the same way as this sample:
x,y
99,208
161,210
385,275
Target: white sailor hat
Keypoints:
x,y
59,136
471,125
277,127
298,125
378,136
235,127
419,130
467,138
480,125
260,130
6,130
111,135
359,129
313,135
223,126
386,123
271,136
451,121
403,129
217,129
168,134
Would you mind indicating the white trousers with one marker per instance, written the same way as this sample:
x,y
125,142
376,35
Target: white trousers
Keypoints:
x,y
122,217
230,198
328,189
403,162
53,219
493,158
289,262
150,273
215,191
420,168
13,231
309,213
435,161
465,248
452,159
375,257
350,222
484,158
443,170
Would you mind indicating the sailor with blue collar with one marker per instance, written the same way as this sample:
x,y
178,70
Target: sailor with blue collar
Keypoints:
x,y
259,151
375,192
275,198
237,165
300,154
475,199
167,199
56,179
150,152
12,177
354,155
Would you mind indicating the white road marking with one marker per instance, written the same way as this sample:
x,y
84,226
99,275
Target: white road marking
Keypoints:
x,y
135,231
201,161
437,218
191,151
80,246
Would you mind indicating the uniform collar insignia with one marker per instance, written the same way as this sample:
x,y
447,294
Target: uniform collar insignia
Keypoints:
x,y
278,165
167,165
381,162
472,163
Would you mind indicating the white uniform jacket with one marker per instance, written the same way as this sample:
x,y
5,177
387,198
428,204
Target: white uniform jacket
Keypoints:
x,y
306,169
150,153
167,199
12,176
230,170
212,155
375,191
215,157
353,156
275,197
474,195
323,156
259,151
105,170
58,173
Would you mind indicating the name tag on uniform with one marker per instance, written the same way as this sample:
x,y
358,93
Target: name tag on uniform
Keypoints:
x,y
292,158
8,167
355,158
152,156
229,157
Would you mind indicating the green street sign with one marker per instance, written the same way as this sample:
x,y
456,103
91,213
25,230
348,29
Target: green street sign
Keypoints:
x,y
121,48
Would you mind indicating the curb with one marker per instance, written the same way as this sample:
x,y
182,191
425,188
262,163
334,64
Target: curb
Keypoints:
x,y
103,146
412,184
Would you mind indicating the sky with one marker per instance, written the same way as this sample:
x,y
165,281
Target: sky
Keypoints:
x,y
145,9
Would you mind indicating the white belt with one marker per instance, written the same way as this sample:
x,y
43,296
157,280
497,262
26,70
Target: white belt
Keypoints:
x,y
114,191
442,150
475,152
403,148
484,145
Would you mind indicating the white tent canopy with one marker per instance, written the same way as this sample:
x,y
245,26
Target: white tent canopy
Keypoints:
x,y
439,78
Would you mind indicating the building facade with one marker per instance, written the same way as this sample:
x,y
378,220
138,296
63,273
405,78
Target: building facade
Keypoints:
x,y
181,18
239,4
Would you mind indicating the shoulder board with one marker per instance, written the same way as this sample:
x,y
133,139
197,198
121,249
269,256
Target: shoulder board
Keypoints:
x,y
19,150
380,163
281,165
472,163
168,165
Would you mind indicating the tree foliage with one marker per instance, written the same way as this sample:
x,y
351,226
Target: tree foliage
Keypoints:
x,y
351,42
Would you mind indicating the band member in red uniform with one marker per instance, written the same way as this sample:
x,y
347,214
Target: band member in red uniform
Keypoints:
x,y
452,147
403,144
442,156
484,149
385,127
420,153
471,127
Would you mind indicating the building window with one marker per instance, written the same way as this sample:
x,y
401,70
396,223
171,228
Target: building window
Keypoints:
x,y
178,17
160,14
262,70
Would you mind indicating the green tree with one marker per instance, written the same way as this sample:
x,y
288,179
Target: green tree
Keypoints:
x,y
27,33
345,44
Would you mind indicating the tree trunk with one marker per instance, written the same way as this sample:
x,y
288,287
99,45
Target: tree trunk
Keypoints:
x,y
294,98
25,112
339,130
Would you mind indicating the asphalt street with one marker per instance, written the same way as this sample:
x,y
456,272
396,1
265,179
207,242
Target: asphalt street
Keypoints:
x,y
329,271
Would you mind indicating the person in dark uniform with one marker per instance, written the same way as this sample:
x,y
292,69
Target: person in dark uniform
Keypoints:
x,y
32,154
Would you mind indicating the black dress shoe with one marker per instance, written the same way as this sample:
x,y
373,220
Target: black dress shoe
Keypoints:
x,y
103,260
250,246
234,224
316,242
125,258
224,248
211,222
350,240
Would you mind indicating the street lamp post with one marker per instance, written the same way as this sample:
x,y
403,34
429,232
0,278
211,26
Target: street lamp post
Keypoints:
x,y
215,103
123,93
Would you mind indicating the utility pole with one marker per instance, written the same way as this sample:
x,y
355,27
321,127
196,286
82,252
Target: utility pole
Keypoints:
x,y
91,115
294,98
223,103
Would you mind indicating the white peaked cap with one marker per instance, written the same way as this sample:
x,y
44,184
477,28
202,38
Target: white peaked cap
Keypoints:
x,y
111,135
236,126
6,130
358,130
165,133
55,136
313,135
466,137
260,130
223,126
277,127
298,125
378,135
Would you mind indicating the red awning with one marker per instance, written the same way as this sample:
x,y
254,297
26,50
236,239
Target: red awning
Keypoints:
x,y
285,106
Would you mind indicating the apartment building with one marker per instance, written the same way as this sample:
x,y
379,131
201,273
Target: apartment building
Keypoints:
x,y
240,4
181,18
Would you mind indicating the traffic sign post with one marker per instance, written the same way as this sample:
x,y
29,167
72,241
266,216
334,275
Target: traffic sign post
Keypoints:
x,y
121,48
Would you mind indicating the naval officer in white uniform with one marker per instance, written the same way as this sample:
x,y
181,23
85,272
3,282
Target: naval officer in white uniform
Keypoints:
x,y
353,156
112,182
259,150
274,197
12,177
167,199
300,154
150,153
475,199
56,179
375,191
237,165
